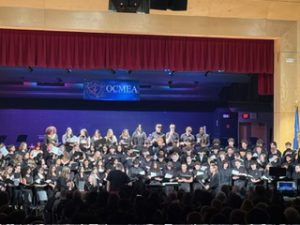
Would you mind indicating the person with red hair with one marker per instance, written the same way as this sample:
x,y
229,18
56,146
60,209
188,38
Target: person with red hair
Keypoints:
x,y
51,136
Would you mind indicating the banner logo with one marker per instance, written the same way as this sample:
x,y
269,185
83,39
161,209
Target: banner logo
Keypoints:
x,y
111,90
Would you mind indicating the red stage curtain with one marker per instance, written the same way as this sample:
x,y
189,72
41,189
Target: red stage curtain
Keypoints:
x,y
134,52
265,84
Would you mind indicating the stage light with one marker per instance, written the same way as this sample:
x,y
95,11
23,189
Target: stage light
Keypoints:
x,y
30,69
226,116
29,84
130,6
206,73
177,5
170,72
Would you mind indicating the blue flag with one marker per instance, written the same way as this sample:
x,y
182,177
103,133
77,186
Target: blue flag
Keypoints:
x,y
296,130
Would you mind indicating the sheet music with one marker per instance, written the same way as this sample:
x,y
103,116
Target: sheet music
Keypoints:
x,y
73,139
42,195
4,151
136,151
142,172
235,172
81,185
213,157
169,183
168,176
187,176
153,174
203,168
57,151
199,173
38,181
16,182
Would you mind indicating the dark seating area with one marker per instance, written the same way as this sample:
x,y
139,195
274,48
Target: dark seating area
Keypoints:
x,y
227,206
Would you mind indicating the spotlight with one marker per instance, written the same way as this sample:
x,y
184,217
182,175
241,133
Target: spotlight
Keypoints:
x,y
170,72
130,6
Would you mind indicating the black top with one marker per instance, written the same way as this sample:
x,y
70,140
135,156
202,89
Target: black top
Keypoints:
x,y
51,140
136,172
117,179
61,184
214,182
225,176
138,139
255,173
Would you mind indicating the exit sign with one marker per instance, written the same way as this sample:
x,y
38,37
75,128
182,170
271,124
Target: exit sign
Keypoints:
x,y
246,116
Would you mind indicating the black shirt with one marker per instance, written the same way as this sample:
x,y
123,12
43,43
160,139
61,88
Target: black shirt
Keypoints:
x,y
117,179
214,181
138,139
257,174
61,184
203,139
225,176
136,172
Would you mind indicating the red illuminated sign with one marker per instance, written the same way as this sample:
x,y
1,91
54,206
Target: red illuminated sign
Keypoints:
x,y
245,115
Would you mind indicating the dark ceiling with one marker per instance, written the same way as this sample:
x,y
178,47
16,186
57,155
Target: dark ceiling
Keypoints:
x,y
154,85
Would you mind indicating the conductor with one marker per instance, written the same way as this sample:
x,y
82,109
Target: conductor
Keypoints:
x,y
117,179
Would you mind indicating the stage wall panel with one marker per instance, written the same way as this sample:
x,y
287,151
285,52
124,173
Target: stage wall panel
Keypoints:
x,y
33,122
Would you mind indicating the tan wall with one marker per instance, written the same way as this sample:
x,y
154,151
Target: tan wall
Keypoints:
x,y
254,9
147,24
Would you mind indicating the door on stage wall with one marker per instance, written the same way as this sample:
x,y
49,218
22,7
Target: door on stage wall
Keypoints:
x,y
251,131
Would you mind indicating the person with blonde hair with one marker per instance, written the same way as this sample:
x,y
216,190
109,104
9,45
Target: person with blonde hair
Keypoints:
x,y
111,139
125,138
64,181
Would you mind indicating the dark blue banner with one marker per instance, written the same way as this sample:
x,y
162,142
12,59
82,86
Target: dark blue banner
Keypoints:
x,y
111,90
